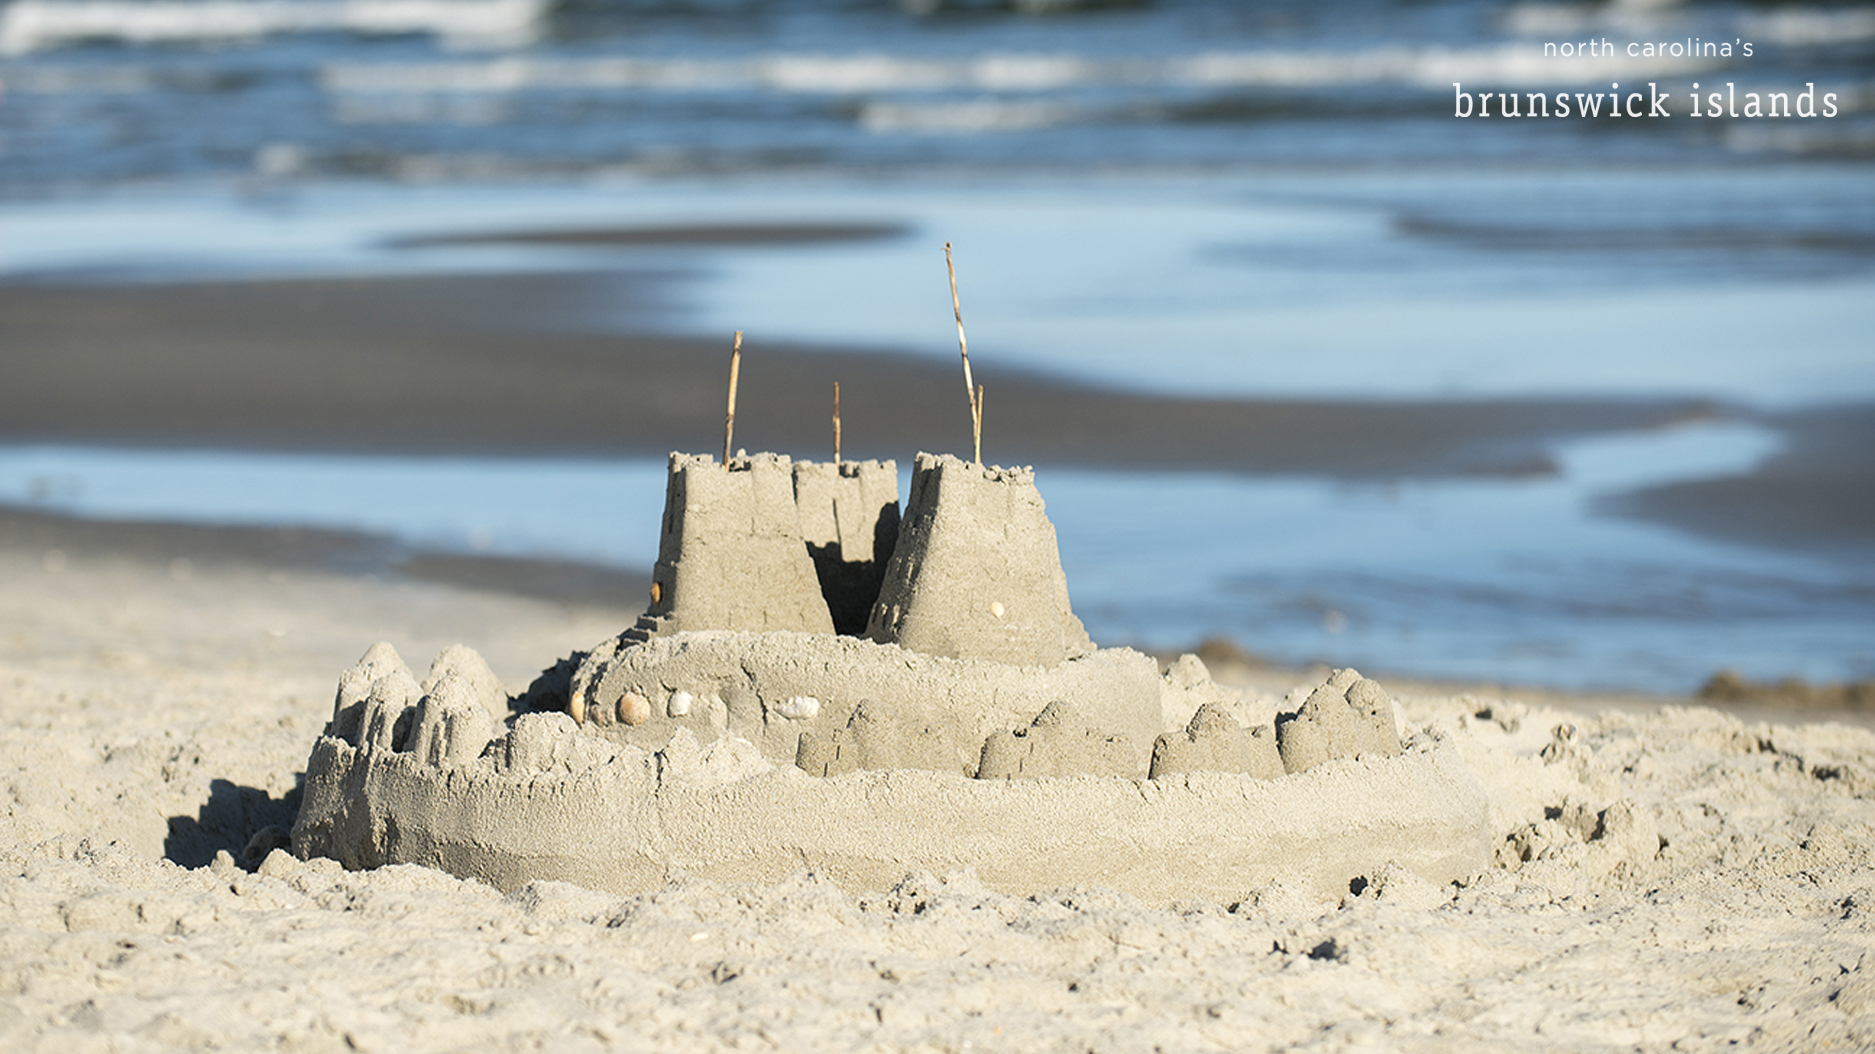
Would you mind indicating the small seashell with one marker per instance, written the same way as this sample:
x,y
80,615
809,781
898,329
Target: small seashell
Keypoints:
x,y
800,707
633,709
657,592
679,705
996,608
576,708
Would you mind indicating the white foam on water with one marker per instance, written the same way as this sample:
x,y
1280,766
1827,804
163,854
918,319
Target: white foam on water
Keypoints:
x,y
1811,25
1009,73
32,25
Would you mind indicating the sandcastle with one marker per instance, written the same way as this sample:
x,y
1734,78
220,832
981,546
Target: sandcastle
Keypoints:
x,y
752,723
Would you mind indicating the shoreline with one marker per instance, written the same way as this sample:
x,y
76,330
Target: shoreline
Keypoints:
x,y
487,364
616,596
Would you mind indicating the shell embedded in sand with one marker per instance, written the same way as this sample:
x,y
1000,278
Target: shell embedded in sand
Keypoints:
x,y
576,708
657,592
679,704
996,608
633,709
799,707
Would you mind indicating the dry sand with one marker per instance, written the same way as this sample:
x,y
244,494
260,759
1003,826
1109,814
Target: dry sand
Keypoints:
x,y
150,710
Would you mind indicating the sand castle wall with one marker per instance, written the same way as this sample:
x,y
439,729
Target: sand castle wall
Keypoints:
x,y
977,571
849,521
744,761
551,801
771,688
730,554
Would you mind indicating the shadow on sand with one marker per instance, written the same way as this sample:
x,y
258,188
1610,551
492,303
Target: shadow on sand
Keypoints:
x,y
233,817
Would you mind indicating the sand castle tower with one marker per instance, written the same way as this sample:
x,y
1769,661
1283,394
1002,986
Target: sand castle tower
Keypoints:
x,y
977,571
730,554
849,522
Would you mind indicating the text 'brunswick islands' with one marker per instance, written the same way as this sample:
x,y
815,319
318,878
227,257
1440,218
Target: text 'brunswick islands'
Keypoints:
x,y
1651,103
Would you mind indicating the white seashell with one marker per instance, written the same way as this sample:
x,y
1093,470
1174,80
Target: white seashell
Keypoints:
x,y
679,705
996,608
800,707
633,709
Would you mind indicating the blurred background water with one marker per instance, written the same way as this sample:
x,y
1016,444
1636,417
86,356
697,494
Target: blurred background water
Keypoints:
x,y
1259,199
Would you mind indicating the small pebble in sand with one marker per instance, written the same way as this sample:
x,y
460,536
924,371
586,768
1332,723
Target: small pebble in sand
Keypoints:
x,y
679,705
996,608
800,707
633,709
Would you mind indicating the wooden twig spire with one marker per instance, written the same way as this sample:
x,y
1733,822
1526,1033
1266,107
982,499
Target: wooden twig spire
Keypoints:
x,y
972,391
729,422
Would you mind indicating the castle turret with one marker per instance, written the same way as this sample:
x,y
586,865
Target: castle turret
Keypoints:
x,y
730,555
977,572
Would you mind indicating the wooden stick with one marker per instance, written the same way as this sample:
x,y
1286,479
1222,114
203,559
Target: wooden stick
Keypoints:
x,y
963,346
976,419
735,372
836,424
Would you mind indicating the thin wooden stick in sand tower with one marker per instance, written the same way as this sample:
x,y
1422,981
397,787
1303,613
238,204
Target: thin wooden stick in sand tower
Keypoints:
x,y
977,420
735,372
836,424
971,391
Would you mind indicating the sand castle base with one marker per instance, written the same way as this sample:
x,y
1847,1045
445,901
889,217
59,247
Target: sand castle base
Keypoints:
x,y
433,775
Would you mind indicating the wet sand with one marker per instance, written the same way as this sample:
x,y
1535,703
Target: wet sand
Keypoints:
x,y
742,234
491,364
1818,493
499,364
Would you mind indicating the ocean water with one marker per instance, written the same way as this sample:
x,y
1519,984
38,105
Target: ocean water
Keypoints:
x,y
115,90
1513,581
1269,199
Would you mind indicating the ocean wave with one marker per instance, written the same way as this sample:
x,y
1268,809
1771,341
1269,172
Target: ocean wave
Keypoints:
x,y
970,116
1809,26
1511,65
34,25
1855,140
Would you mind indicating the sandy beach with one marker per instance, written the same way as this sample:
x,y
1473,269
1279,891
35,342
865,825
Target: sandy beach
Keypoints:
x,y
370,679
158,709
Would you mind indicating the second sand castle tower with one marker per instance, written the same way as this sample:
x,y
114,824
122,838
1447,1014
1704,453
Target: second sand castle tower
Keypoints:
x,y
977,572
